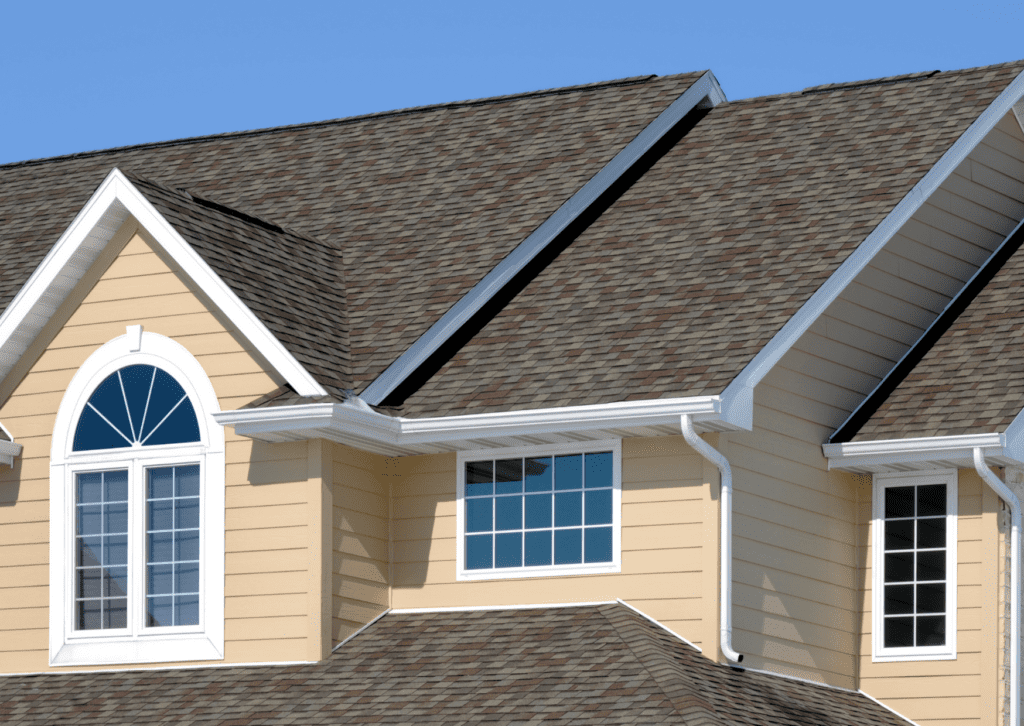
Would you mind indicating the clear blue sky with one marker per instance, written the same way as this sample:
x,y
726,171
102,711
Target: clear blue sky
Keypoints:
x,y
78,76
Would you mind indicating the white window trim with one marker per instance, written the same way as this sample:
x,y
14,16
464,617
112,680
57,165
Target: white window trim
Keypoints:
x,y
166,645
505,573
879,653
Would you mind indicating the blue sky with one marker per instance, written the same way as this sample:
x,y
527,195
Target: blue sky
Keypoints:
x,y
83,76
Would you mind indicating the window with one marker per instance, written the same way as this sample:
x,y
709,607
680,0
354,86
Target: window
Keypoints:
x,y
539,511
137,508
914,583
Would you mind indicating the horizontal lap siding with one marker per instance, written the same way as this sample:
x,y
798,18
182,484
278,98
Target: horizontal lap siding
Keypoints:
x,y
360,567
952,691
267,538
663,536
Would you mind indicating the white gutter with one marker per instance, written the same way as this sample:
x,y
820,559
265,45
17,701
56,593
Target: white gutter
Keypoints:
x,y
1010,498
921,453
364,428
715,457
8,449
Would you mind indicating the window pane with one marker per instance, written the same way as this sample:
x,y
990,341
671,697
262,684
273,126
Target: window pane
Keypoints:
x,y
597,544
899,534
89,612
115,582
186,545
931,533
115,613
115,550
90,582
115,518
508,476
931,500
479,478
931,565
160,482
899,632
568,473
899,600
90,487
161,547
180,427
538,511
899,502
478,515
508,513
508,550
165,395
538,548
136,380
186,578
186,610
599,470
599,507
115,486
538,475
90,519
159,612
186,513
172,568
568,546
160,514
160,579
568,510
186,481
931,630
90,551
899,567
931,598
478,552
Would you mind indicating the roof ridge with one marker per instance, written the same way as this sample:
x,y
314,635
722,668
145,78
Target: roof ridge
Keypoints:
x,y
270,130
688,702
884,81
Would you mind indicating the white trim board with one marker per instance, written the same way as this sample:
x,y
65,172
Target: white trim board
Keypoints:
x,y
368,430
920,454
111,205
703,93
742,386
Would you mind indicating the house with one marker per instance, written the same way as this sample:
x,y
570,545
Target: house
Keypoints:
x,y
619,403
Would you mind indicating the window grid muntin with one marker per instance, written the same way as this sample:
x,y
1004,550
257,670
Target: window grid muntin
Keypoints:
x,y
915,615
113,609
188,597
493,496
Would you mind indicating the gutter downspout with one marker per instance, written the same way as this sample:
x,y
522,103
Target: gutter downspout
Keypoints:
x,y
715,457
1010,498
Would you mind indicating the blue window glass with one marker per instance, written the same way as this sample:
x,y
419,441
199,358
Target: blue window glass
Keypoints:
x,y
539,511
101,547
172,533
138,405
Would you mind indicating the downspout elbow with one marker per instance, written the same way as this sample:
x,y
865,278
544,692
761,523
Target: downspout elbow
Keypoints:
x,y
722,464
1007,495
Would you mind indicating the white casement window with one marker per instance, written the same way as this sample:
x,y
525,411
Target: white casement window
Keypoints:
x,y
545,510
137,509
914,566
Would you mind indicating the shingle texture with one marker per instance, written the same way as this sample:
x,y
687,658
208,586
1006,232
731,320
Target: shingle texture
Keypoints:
x,y
558,666
675,288
414,206
972,379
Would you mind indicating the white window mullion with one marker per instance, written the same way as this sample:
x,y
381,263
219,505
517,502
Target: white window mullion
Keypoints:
x,y
137,546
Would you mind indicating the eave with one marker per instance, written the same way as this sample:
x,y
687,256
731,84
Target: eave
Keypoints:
x,y
933,452
368,430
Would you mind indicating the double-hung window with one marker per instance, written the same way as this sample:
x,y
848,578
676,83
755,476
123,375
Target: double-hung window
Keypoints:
x,y
914,564
539,511
137,489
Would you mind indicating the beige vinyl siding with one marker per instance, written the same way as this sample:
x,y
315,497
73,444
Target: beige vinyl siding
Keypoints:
x,y
360,586
665,530
946,692
271,489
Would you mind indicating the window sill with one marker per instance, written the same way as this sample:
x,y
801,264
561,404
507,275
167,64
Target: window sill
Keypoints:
x,y
149,649
914,654
510,573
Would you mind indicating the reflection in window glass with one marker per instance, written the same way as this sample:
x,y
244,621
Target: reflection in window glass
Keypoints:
x,y
172,551
101,550
539,511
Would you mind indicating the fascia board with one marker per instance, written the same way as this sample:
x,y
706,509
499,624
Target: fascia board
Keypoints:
x,y
703,93
113,202
802,320
369,429
896,453
8,451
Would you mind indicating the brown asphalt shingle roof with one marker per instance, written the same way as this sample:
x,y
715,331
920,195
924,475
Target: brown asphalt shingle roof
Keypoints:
x,y
972,379
694,269
560,666
415,205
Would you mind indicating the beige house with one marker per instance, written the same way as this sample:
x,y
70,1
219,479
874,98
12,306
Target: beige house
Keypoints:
x,y
618,403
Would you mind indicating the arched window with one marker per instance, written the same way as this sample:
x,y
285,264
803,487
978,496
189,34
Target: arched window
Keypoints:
x,y
137,468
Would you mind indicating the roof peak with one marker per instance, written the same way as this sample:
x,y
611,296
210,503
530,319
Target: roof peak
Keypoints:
x,y
486,101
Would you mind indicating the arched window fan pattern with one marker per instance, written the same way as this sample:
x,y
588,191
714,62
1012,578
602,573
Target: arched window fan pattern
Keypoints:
x,y
138,405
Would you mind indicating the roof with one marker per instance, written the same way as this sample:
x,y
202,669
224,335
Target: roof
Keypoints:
x,y
685,278
562,665
971,380
414,206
